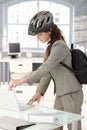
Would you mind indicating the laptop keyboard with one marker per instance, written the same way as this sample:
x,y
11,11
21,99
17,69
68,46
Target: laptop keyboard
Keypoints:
x,y
23,105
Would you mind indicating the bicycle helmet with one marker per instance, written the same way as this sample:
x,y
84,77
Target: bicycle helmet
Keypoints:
x,y
41,22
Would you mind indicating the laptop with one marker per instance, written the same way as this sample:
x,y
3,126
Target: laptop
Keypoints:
x,y
9,101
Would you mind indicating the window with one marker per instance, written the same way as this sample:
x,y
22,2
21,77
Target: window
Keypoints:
x,y
18,16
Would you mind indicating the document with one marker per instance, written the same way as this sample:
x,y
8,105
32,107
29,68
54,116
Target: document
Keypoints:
x,y
11,123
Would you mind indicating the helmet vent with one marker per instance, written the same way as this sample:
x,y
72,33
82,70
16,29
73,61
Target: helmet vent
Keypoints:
x,y
41,24
48,20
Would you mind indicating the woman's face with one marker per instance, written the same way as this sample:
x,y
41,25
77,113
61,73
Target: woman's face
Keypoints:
x,y
43,36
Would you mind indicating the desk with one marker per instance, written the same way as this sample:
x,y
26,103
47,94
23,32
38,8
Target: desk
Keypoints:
x,y
64,117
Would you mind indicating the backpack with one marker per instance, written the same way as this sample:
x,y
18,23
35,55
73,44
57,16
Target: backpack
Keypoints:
x,y
79,65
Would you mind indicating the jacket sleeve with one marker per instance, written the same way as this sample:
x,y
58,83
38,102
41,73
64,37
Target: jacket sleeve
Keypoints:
x,y
44,83
57,54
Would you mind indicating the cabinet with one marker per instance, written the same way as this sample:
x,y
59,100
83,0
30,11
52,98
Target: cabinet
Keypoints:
x,y
20,68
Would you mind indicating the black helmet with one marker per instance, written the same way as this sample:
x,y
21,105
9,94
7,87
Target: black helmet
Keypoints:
x,y
41,22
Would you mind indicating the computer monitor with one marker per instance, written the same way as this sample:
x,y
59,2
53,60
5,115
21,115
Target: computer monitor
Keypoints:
x,y
14,50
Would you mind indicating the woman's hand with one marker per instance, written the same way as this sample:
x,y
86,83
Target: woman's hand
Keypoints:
x,y
36,97
14,83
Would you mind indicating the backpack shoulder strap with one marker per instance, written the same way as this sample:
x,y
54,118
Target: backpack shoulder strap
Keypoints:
x,y
65,65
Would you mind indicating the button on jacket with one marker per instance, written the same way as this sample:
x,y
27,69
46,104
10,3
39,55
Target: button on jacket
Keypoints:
x,y
64,80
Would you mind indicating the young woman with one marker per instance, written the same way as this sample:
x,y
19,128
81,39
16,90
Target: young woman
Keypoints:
x,y
69,95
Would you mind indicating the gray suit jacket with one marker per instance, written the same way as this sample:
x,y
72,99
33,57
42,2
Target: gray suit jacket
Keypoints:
x,y
64,80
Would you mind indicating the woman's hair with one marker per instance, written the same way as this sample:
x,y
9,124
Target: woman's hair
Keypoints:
x,y
56,34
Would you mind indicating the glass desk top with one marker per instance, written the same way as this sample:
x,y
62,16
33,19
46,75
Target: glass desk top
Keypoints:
x,y
63,118
60,118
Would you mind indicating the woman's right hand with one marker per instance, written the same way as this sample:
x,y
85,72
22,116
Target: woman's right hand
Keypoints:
x,y
14,83
36,97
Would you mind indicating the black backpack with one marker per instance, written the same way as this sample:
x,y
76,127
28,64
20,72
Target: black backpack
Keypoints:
x,y
79,65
